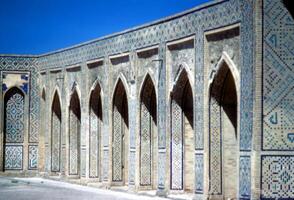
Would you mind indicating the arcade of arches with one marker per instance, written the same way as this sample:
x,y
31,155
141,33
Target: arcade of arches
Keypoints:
x,y
200,103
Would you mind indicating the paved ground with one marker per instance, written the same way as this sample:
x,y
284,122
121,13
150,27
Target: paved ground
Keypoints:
x,y
43,189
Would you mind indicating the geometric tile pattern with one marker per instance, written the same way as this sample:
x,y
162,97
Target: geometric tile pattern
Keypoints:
x,y
29,78
221,14
162,129
146,129
215,147
74,134
277,177
117,153
278,77
33,157
245,177
246,72
217,15
14,128
120,127
179,98
13,157
215,152
14,115
176,147
145,145
56,143
94,144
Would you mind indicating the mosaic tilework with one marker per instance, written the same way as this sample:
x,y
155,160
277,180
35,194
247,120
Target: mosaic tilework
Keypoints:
x,y
120,121
13,157
146,135
176,147
74,144
277,177
223,13
33,157
56,143
145,156
117,146
215,130
14,115
161,107
215,147
278,77
247,69
31,65
245,178
94,145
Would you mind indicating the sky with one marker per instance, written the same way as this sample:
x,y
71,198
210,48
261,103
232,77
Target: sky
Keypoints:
x,y
40,26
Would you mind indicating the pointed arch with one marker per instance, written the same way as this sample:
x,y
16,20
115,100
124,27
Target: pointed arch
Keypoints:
x,y
74,132
75,90
182,134
120,79
14,124
146,77
183,71
223,128
55,133
95,122
148,134
56,91
13,88
225,60
120,133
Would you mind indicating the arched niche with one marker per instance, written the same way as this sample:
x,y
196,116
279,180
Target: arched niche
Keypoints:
x,y
148,134
14,128
182,135
223,126
95,123
74,134
55,133
120,134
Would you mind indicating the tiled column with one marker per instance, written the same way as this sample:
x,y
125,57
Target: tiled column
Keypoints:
x,y
162,110
132,123
199,115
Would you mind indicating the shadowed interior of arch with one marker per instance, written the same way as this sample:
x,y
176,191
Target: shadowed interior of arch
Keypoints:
x,y
148,135
55,134
120,135
74,134
121,102
289,7
182,138
223,133
95,121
